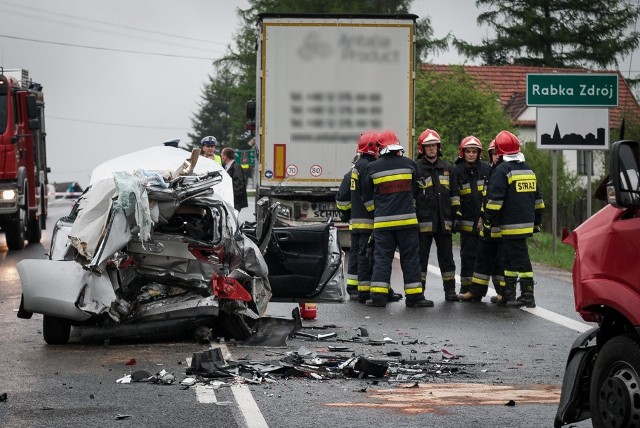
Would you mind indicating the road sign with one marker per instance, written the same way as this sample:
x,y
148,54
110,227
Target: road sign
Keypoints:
x,y
575,90
246,157
572,128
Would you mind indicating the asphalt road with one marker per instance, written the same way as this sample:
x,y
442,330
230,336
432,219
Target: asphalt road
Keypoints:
x,y
502,355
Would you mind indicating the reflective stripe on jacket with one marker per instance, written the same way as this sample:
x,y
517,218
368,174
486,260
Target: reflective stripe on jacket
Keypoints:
x,y
388,191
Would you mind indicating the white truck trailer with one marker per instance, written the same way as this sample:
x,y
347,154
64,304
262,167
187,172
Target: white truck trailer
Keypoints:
x,y
322,80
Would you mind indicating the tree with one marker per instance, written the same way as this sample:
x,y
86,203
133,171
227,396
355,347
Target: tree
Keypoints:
x,y
556,33
233,82
455,105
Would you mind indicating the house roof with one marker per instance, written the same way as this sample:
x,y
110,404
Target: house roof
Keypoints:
x,y
509,82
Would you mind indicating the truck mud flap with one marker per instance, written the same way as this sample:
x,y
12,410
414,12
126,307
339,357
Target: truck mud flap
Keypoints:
x,y
574,398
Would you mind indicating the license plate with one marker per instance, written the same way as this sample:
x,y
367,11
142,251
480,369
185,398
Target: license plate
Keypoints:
x,y
326,206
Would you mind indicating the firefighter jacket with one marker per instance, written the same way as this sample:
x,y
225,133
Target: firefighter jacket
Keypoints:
x,y
514,200
388,191
493,233
343,198
438,198
471,180
361,219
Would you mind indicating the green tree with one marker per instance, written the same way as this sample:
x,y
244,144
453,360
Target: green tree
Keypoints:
x,y
556,33
455,105
233,81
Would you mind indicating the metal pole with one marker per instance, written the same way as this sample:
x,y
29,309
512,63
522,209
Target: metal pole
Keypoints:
x,y
587,159
554,199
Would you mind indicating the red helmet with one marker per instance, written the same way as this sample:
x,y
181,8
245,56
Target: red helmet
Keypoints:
x,y
388,141
507,144
428,136
470,142
492,146
368,143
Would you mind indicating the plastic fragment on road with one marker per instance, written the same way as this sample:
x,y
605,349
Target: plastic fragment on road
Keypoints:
x,y
124,379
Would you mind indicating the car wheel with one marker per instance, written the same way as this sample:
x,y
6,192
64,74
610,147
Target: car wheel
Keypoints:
x,y
615,384
55,330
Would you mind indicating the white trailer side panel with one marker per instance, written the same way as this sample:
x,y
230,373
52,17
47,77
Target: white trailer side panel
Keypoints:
x,y
322,82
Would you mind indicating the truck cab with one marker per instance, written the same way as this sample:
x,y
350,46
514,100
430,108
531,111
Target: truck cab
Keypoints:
x,y
23,160
602,376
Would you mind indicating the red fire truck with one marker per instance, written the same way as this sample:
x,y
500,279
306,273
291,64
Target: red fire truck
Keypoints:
x,y
23,159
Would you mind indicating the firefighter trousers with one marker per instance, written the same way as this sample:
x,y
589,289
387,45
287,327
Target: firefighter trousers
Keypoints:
x,y
488,265
359,268
444,247
515,256
468,249
385,244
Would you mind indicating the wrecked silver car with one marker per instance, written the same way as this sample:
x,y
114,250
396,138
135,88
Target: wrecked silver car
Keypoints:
x,y
148,251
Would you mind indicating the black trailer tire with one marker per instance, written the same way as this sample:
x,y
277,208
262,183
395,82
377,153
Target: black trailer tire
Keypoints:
x,y
615,384
34,231
14,231
56,331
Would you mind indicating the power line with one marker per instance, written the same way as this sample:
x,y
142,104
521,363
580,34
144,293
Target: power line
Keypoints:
x,y
74,45
118,124
50,12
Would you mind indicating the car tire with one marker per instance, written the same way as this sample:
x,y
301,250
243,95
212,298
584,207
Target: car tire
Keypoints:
x,y
56,331
615,384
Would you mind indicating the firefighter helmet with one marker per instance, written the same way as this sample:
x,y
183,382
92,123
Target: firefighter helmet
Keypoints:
x,y
388,141
368,143
469,142
492,146
428,136
209,141
507,144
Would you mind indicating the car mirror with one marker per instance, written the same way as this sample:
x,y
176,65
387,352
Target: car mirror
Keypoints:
x,y
624,188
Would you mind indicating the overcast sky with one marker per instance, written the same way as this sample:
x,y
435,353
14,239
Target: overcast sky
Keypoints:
x,y
124,75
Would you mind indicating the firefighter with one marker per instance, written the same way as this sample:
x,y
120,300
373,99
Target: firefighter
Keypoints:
x,y
388,191
437,205
515,205
488,259
471,174
210,147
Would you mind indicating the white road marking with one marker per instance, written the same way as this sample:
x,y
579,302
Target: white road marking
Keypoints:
x,y
248,407
246,404
538,311
205,394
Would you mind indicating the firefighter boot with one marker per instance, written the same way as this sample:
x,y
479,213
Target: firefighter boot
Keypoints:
x,y
498,298
377,300
450,291
418,301
509,290
393,296
526,295
464,287
469,297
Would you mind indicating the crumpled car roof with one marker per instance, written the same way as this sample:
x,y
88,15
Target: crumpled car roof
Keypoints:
x,y
163,159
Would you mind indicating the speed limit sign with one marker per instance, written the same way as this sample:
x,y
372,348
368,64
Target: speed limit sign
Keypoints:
x,y
292,170
316,170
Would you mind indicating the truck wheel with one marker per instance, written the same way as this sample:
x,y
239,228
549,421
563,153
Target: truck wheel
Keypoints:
x,y
55,330
14,230
615,384
34,231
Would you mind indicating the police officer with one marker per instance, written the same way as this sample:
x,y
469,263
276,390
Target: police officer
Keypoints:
x,y
515,204
210,148
488,259
436,205
388,191
471,173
